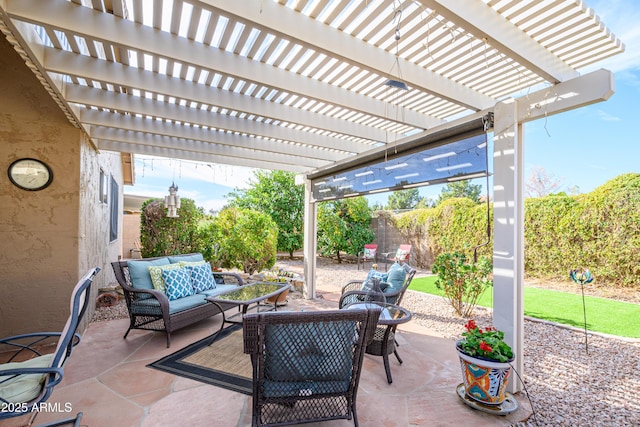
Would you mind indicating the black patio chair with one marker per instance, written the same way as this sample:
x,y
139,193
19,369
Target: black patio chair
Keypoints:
x,y
24,384
306,365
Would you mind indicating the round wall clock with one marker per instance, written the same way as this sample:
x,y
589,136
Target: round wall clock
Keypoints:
x,y
30,174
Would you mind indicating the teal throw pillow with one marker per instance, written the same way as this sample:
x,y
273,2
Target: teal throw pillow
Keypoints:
x,y
155,271
177,283
367,285
139,272
202,277
395,277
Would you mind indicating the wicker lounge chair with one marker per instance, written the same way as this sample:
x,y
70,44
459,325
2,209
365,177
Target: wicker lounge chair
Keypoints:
x,y
306,365
26,384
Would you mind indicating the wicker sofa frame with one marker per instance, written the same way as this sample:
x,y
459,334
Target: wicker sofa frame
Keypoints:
x,y
155,316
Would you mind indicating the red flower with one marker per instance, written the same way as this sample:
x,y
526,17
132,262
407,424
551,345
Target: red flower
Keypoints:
x,y
471,325
485,347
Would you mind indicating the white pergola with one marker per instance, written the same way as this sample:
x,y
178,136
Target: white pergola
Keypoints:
x,y
302,85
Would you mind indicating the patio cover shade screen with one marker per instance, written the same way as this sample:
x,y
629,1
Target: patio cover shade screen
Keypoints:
x,y
452,159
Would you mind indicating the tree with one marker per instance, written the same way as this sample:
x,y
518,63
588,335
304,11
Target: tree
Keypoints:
x,y
160,235
460,189
276,194
246,239
541,183
404,199
343,226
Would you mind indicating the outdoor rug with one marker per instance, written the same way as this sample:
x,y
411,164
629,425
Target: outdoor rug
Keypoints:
x,y
222,364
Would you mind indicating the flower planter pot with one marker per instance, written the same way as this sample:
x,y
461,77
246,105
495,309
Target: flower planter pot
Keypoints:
x,y
485,381
280,299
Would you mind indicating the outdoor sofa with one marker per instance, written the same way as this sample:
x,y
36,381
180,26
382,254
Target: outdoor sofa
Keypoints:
x,y
158,307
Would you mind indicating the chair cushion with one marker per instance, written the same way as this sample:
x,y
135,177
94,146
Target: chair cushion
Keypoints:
x,y
139,272
369,253
309,352
155,271
202,277
24,388
186,258
177,283
395,277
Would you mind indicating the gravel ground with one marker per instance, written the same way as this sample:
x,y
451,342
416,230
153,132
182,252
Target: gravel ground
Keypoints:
x,y
567,386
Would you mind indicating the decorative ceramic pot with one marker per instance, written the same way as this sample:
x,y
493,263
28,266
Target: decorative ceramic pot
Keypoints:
x,y
484,380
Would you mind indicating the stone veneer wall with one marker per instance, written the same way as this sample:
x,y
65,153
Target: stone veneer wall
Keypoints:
x,y
53,236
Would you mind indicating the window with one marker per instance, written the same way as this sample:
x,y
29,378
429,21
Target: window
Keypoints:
x,y
115,212
104,185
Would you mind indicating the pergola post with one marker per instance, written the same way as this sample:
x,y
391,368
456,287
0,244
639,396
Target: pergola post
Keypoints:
x,y
508,249
310,242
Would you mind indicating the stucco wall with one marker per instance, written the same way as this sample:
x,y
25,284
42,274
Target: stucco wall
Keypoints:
x,y
49,237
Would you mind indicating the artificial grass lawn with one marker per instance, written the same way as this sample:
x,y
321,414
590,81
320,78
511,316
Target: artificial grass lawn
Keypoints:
x,y
603,315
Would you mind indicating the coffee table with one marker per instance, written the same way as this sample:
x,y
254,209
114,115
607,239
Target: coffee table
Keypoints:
x,y
246,295
384,342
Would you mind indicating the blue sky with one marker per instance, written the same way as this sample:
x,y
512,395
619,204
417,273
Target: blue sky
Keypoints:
x,y
584,147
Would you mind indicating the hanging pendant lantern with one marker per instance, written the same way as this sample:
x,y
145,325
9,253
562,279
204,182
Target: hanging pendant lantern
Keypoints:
x,y
172,202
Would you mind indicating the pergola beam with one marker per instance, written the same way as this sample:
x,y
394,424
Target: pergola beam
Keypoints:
x,y
483,22
163,110
160,141
321,38
157,127
174,153
67,63
65,16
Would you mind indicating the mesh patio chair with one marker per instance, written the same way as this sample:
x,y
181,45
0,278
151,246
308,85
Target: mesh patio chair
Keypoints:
x,y
24,384
392,296
306,365
401,255
368,254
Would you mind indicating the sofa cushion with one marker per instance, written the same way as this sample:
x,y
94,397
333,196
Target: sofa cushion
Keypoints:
x,y
396,277
186,258
201,277
177,283
23,388
155,271
139,272
218,290
186,303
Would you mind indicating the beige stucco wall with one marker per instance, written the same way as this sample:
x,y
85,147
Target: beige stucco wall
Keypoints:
x,y
49,238
130,235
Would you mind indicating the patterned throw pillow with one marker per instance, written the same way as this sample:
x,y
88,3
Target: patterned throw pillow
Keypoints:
x,y
369,253
156,274
402,255
177,283
202,277
367,285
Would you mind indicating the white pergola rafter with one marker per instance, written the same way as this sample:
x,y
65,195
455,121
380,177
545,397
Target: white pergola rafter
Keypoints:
x,y
134,37
178,113
125,122
72,64
317,36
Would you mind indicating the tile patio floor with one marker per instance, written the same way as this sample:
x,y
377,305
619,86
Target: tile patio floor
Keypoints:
x,y
107,379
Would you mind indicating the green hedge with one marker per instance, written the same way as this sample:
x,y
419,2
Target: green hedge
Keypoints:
x,y
599,230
